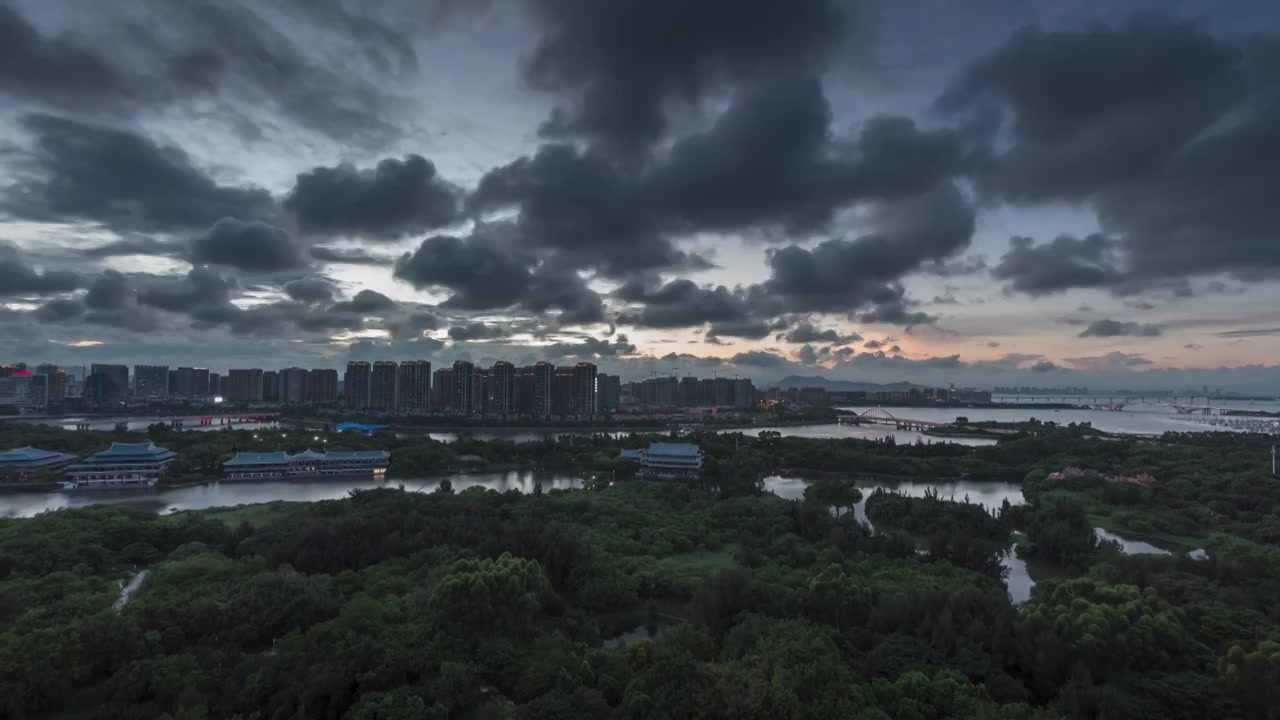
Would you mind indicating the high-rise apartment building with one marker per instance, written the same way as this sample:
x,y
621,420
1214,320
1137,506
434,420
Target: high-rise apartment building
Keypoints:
x,y
584,389
382,386
215,385
119,377
172,386
415,387
245,385
293,385
609,392
522,400
194,383
462,400
564,397
57,382
355,384
544,379
502,389
270,386
150,381
322,386
442,390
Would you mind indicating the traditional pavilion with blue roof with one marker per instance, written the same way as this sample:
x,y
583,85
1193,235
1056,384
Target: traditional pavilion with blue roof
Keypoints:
x,y
668,460
26,461
121,465
308,463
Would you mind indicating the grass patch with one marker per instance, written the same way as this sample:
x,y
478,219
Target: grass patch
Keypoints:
x,y
260,514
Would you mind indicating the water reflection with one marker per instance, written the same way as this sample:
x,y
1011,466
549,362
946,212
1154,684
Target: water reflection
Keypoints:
x,y
229,494
1128,546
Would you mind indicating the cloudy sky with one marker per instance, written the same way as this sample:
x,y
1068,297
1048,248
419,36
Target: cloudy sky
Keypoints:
x,y
987,192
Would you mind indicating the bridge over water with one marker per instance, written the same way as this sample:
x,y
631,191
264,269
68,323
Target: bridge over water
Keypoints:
x,y
880,416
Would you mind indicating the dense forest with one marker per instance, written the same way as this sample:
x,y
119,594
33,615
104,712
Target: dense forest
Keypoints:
x,y
395,605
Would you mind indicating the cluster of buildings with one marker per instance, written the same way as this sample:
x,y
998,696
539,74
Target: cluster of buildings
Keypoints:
x,y
689,391
542,390
142,464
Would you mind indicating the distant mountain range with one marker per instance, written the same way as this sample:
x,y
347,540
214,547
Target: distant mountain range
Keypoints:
x,y
801,381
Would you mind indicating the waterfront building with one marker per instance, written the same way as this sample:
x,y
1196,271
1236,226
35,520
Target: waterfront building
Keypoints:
x,y
215,385
322,386
100,391
415,387
24,462
150,381
668,461
382,386
121,465
355,384
308,463
245,385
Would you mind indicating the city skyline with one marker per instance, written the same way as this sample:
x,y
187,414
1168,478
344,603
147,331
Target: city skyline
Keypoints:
x,y
877,192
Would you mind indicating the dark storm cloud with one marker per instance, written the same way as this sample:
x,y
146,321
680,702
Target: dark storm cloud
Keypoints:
x,y
112,301
397,198
770,159
17,278
52,69
365,302
873,344
200,287
1043,366
251,246
1062,264
895,312
758,358
682,303
1117,328
807,333
311,290
81,170
839,275
481,274
353,256
1111,362
412,325
1170,134
478,331
807,355
620,63
585,208
59,310
484,273
180,54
